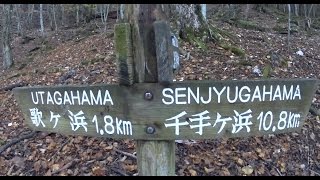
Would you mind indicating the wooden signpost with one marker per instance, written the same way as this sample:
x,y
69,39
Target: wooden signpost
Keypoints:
x,y
186,110
149,107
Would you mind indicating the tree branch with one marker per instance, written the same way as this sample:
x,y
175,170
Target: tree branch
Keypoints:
x,y
10,87
15,141
118,171
125,153
66,166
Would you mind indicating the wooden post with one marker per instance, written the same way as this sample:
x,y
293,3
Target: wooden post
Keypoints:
x,y
158,157
152,61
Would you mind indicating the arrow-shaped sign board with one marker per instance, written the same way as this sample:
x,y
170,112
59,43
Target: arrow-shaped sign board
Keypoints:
x,y
184,110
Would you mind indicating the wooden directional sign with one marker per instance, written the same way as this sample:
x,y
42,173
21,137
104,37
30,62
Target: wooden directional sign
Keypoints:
x,y
186,110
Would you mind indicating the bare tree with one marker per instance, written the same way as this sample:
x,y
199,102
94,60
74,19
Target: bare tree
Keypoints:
x,y
121,11
6,48
104,11
62,15
30,14
310,10
189,19
204,11
307,19
289,28
314,11
305,10
17,8
54,17
247,11
233,10
50,16
41,21
296,9
77,14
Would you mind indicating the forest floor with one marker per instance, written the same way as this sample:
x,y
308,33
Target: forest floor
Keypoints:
x,y
90,56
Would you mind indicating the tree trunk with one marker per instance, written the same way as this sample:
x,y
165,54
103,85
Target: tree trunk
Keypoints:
x,y
104,11
190,21
6,48
121,11
41,21
49,7
301,10
247,11
296,9
310,10
305,10
204,11
289,28
106,8
18,18
101,8
307,19
118,13
30,14
54,17
77,14
314,12
62,15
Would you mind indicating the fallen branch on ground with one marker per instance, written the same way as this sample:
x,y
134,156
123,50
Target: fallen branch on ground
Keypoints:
x,y
15,141
65,143
95,160
125,153
314,172
66,166
118,171
10,87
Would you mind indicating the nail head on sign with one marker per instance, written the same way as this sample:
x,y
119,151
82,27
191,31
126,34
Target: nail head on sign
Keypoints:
x,y
150,130
148,95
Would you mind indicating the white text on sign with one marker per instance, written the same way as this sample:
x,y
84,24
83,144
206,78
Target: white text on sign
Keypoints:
x,y
185,95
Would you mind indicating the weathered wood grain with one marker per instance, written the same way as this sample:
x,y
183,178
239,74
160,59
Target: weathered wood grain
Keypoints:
x,y
123,43
148,68
131,106
157,158
164,51
141,18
